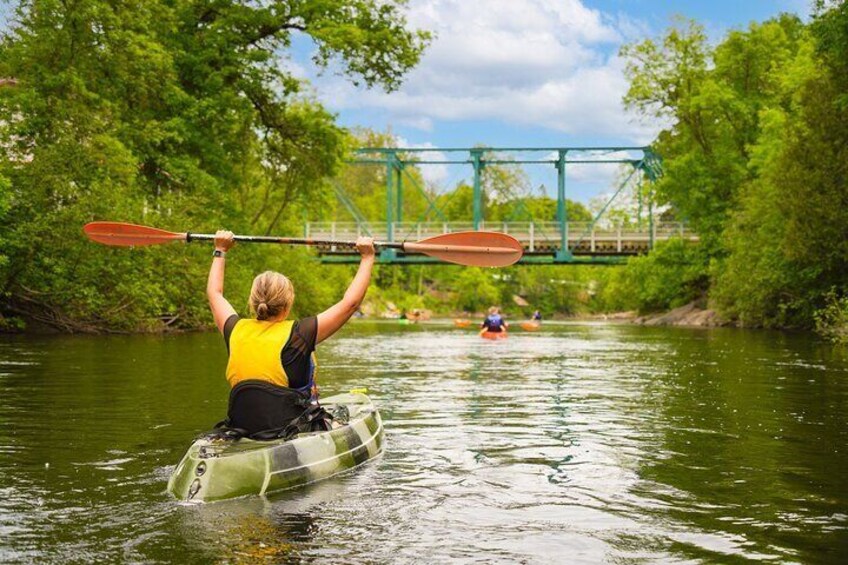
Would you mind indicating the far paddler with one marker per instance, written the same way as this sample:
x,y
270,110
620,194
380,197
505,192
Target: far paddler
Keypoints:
x,y
494,322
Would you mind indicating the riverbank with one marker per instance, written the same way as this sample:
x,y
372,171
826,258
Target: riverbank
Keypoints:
x,y
687,315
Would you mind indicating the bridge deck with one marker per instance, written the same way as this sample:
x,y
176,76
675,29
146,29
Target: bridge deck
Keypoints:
x,y
538,238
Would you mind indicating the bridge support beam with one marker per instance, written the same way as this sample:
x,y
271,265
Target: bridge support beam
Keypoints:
x,y
477,162
399,185
650,218
391,167
563,253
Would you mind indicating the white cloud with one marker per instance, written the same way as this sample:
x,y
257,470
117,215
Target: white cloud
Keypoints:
x,y
523,62
434,175
294,68
423,123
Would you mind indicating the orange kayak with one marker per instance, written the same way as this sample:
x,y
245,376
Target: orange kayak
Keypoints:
x,y
530,326
461,323
494,335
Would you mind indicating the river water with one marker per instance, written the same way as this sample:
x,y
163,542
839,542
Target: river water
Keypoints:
x,y
579,443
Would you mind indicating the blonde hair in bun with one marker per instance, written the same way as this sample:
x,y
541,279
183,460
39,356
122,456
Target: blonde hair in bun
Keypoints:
x,y
272,294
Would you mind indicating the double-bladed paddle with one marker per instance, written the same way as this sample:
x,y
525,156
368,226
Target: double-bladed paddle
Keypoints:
x,y
473,248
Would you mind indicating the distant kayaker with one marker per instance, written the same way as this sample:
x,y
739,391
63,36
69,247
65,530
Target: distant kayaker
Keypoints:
x,y
271,367
494,322
537,317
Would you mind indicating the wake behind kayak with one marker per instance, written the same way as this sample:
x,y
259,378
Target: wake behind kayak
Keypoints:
x,y
216,468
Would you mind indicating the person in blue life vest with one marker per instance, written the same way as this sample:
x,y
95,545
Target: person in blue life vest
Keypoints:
x,y
537,317
494,322
271,367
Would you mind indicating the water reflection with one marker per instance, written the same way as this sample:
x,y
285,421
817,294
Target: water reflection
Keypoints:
x,y
259,528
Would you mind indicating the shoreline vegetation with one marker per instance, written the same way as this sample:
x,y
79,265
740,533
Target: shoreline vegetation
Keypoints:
x,y
159,114
689,315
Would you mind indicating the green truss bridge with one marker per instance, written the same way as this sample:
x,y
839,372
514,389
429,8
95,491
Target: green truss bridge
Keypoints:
x,y
602,240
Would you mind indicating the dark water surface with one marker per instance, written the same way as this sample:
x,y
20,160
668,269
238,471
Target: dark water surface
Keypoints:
x,y
575,444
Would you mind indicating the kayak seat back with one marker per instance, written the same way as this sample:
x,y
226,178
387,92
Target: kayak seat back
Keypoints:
x,y
256,406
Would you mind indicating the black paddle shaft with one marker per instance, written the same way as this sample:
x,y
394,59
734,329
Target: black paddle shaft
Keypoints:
x,y
290,240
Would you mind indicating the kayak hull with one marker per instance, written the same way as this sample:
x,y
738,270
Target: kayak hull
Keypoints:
x,y
493,335
530,326
461,323
216,469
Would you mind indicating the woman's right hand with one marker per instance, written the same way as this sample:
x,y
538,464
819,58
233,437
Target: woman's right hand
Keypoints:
x,y
224,240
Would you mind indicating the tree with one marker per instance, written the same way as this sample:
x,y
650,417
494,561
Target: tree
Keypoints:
x,y
755,159
475,290
713,100
788,237
178,113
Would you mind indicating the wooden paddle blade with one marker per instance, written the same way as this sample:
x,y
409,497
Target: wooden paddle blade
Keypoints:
x,y
125,235
472,248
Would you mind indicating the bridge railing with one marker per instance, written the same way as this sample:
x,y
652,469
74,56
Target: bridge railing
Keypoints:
x,y
535,236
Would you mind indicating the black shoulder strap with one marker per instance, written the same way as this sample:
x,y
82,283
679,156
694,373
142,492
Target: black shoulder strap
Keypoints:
x,y
313,419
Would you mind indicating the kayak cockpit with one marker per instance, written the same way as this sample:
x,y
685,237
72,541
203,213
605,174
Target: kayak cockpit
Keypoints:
x,y
218,468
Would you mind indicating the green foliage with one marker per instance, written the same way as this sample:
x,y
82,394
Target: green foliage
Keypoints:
x,y
756,160
670,276
832,320
458,204
715,109
538,209
550,289
788,235
475,290
178,114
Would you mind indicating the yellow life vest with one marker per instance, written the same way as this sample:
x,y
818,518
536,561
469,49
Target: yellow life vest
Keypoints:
x,y
255,348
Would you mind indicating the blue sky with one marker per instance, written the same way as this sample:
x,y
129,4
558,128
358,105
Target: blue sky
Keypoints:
x,y
528,73
536,73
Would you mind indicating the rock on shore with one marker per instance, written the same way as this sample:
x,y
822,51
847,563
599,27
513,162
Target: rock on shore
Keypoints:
x,y
688,315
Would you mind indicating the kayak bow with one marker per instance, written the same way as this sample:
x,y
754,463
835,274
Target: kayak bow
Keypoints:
x,y
494,335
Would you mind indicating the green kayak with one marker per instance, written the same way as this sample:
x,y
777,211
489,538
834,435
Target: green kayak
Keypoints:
x,y
218,469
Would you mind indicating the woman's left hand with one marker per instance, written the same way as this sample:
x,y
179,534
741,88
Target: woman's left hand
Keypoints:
x,y
365,246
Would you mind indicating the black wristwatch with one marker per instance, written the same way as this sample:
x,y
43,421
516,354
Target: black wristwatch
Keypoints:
x,y
219,253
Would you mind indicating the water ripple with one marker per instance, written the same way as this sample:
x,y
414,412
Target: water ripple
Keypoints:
x,y
577,443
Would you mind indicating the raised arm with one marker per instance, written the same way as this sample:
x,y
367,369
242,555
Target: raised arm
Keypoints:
x,y
221,308
334,317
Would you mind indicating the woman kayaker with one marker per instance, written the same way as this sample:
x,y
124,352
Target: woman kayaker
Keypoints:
x,y
271,366
494,322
